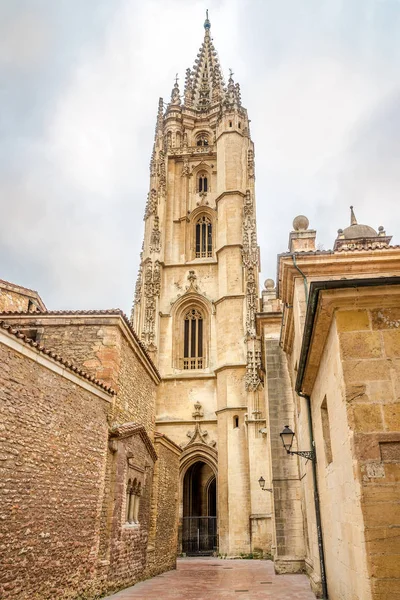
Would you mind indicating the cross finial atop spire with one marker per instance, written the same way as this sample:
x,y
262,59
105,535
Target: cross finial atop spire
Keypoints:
x,y
353,220
207,23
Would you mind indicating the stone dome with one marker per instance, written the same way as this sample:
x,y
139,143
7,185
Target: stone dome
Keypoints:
x,y
359,231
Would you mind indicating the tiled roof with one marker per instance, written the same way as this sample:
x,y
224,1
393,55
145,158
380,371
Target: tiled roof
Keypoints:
x,y
110,311
128,429
66,363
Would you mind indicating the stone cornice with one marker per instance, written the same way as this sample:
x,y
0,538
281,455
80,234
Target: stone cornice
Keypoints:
x,y
228,246
230,366
229,193
229,297
325,298
231,408
328,265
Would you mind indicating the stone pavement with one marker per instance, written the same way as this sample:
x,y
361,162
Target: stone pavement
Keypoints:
x,y
215,579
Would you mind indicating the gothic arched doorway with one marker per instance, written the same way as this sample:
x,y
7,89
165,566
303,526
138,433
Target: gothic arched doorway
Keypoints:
x,y
199,527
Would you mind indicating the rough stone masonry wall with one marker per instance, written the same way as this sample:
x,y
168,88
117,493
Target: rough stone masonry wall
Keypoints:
x,y
136,396
102,350
370,348
95,347
10,300
52,459
163,535
127,551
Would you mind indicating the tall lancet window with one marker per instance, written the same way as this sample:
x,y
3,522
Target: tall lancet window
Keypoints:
x,y
202,183
193,349
203,237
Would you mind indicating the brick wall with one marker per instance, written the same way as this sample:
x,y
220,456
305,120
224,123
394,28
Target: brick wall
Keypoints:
x,y
52,459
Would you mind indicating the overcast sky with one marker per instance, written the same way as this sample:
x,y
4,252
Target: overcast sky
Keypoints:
x,y
79,88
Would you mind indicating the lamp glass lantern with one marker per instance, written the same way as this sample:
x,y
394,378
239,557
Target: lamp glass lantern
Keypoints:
x,y
261,481
287,436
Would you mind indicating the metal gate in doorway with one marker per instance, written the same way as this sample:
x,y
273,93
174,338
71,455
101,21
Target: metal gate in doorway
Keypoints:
x,y
199,535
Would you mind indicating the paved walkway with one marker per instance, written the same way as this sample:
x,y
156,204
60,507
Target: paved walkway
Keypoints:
x,y
215,579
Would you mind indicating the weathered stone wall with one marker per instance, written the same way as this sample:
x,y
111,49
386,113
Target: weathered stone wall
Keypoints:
x,y
98,345
288,520
370,348
10,300
136,395
339,486
163,534
53,453
125,557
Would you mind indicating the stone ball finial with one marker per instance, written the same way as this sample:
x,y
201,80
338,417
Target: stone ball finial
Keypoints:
x,y
269,284
381,228
300,223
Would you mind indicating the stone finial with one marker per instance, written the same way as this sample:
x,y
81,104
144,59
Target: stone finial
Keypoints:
x,y
302,239
175,94
269,302
300,223
207,23
353,220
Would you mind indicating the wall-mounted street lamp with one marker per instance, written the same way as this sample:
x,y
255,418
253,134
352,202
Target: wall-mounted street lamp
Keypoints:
x,y
287,436
261,481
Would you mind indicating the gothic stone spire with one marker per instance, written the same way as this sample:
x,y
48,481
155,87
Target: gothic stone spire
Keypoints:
x,y
204,85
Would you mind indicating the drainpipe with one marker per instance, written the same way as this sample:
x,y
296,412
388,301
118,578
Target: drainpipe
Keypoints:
x,y
303,276
316,503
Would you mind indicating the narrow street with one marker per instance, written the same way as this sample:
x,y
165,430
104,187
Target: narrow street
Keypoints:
x,y
205,578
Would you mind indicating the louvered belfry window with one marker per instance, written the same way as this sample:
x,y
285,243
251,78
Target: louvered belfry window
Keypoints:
x,y
203,238
193,349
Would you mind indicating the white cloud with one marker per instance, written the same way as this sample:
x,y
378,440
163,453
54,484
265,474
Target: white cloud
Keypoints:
x,y
316,81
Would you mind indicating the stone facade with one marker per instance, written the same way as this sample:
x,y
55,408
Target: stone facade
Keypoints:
x,y
53,458
97,467
338,375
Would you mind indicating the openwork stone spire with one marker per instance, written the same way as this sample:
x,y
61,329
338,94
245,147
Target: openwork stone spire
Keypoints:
x,y
204,85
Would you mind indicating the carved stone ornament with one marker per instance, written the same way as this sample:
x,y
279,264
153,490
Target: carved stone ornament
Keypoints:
x,y
155,238
198,435
152,281
250,163
151,205
252,379
185,168
162,178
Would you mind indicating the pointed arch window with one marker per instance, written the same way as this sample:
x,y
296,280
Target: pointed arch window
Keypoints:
x,y
202,183
203,237
193,342
202,140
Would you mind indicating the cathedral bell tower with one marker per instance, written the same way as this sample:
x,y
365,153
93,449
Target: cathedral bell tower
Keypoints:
x,y
195,307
